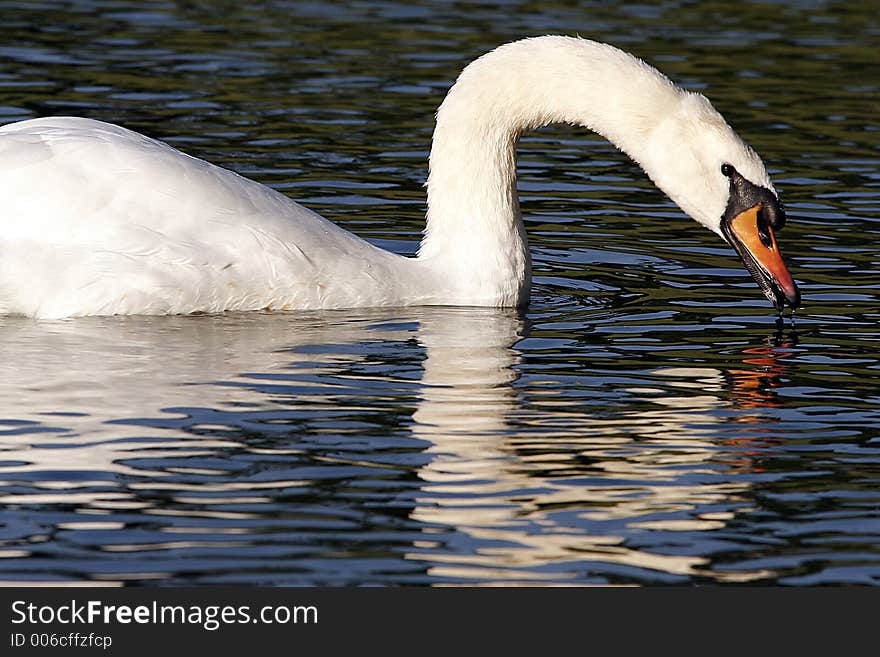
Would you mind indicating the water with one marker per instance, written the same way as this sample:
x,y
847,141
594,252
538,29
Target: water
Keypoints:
x,y
645,421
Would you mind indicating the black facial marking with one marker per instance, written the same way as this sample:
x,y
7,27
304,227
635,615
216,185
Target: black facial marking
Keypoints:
x,y
744,194
764,228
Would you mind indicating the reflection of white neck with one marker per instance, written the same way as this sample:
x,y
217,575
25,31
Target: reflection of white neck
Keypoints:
x,y
474,230
467,373
466,402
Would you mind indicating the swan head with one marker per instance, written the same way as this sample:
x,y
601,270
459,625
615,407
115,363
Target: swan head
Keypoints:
x,y
716,178
749,223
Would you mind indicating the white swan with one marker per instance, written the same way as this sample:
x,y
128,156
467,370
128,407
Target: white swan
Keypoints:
x,y
99,220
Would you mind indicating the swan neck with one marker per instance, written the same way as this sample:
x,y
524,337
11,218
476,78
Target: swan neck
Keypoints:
x,y
474,227
474,234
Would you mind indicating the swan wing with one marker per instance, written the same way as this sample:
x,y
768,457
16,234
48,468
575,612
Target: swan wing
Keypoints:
x,y
98,219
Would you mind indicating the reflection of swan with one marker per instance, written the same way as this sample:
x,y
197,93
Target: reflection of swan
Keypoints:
x,y
487,481
506,489
103,370
101,220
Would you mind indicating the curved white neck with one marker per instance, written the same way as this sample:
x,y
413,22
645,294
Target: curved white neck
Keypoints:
x,y
474,234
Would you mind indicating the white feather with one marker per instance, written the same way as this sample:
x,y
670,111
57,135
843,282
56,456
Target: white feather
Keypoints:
x,y
99,220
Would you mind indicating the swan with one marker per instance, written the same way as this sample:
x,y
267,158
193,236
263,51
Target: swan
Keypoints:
x,y
100,220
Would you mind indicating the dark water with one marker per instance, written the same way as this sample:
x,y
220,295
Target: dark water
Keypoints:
x,y
646,421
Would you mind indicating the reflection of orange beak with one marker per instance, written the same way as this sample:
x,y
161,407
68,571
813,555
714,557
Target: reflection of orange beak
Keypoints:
x,y
755,388
752,237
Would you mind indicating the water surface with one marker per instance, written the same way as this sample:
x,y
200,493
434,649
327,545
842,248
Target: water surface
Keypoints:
x,y
645,421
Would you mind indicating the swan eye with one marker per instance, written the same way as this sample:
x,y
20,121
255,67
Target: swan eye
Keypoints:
x,y
727,169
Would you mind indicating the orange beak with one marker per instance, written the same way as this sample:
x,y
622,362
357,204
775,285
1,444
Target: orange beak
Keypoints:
x,y
751,235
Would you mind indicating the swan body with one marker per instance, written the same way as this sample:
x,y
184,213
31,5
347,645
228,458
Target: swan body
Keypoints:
x,y
111,222
100,220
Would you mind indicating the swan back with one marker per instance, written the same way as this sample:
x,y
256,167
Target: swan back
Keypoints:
x,y
128,224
